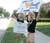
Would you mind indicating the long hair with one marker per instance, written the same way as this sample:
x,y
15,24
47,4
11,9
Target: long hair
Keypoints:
x,y
31,15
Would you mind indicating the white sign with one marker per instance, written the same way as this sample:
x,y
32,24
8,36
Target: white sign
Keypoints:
x,y
30,5
35,6
20,27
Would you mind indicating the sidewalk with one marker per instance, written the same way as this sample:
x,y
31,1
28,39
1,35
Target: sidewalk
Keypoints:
x,y
3,26
41,38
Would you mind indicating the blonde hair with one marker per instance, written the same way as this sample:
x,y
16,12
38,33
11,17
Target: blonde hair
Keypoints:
x,y
31,12
20,15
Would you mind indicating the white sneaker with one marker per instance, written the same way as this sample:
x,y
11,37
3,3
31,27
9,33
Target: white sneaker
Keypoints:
x,y
21,41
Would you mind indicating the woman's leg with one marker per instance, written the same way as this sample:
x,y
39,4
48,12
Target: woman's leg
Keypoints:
x,y
19,36
31,38
28,37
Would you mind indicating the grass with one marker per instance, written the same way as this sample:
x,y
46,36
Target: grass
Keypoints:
x,y
11,37
44,27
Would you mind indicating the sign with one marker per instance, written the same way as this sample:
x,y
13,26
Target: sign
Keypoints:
x,y
20,27
30,5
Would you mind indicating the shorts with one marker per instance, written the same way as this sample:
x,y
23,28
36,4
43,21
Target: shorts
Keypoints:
x,y
31,37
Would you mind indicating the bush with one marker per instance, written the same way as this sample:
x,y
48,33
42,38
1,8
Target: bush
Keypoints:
x,y
44,20
48,14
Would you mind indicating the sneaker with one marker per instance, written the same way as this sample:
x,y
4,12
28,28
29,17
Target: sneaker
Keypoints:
x,y
21,41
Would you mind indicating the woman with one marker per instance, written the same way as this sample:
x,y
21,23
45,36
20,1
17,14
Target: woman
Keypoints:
x,y
31,28
21,17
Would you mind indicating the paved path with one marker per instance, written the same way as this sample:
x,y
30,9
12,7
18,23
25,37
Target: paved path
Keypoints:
x,y
3,26
41,38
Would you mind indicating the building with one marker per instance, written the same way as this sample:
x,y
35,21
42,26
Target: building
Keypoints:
x,y
47,5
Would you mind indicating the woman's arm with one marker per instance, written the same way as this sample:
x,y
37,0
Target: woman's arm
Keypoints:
x,y
37,18
14,17
24,17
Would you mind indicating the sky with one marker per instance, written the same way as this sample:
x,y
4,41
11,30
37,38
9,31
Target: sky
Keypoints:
x,y
10,5
45,1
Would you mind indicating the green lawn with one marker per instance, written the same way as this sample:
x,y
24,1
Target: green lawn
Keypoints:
x,y
11,37
44,27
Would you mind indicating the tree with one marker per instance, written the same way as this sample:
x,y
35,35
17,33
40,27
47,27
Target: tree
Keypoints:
x,y
48,13
1,11
15,13
43,11
6,14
